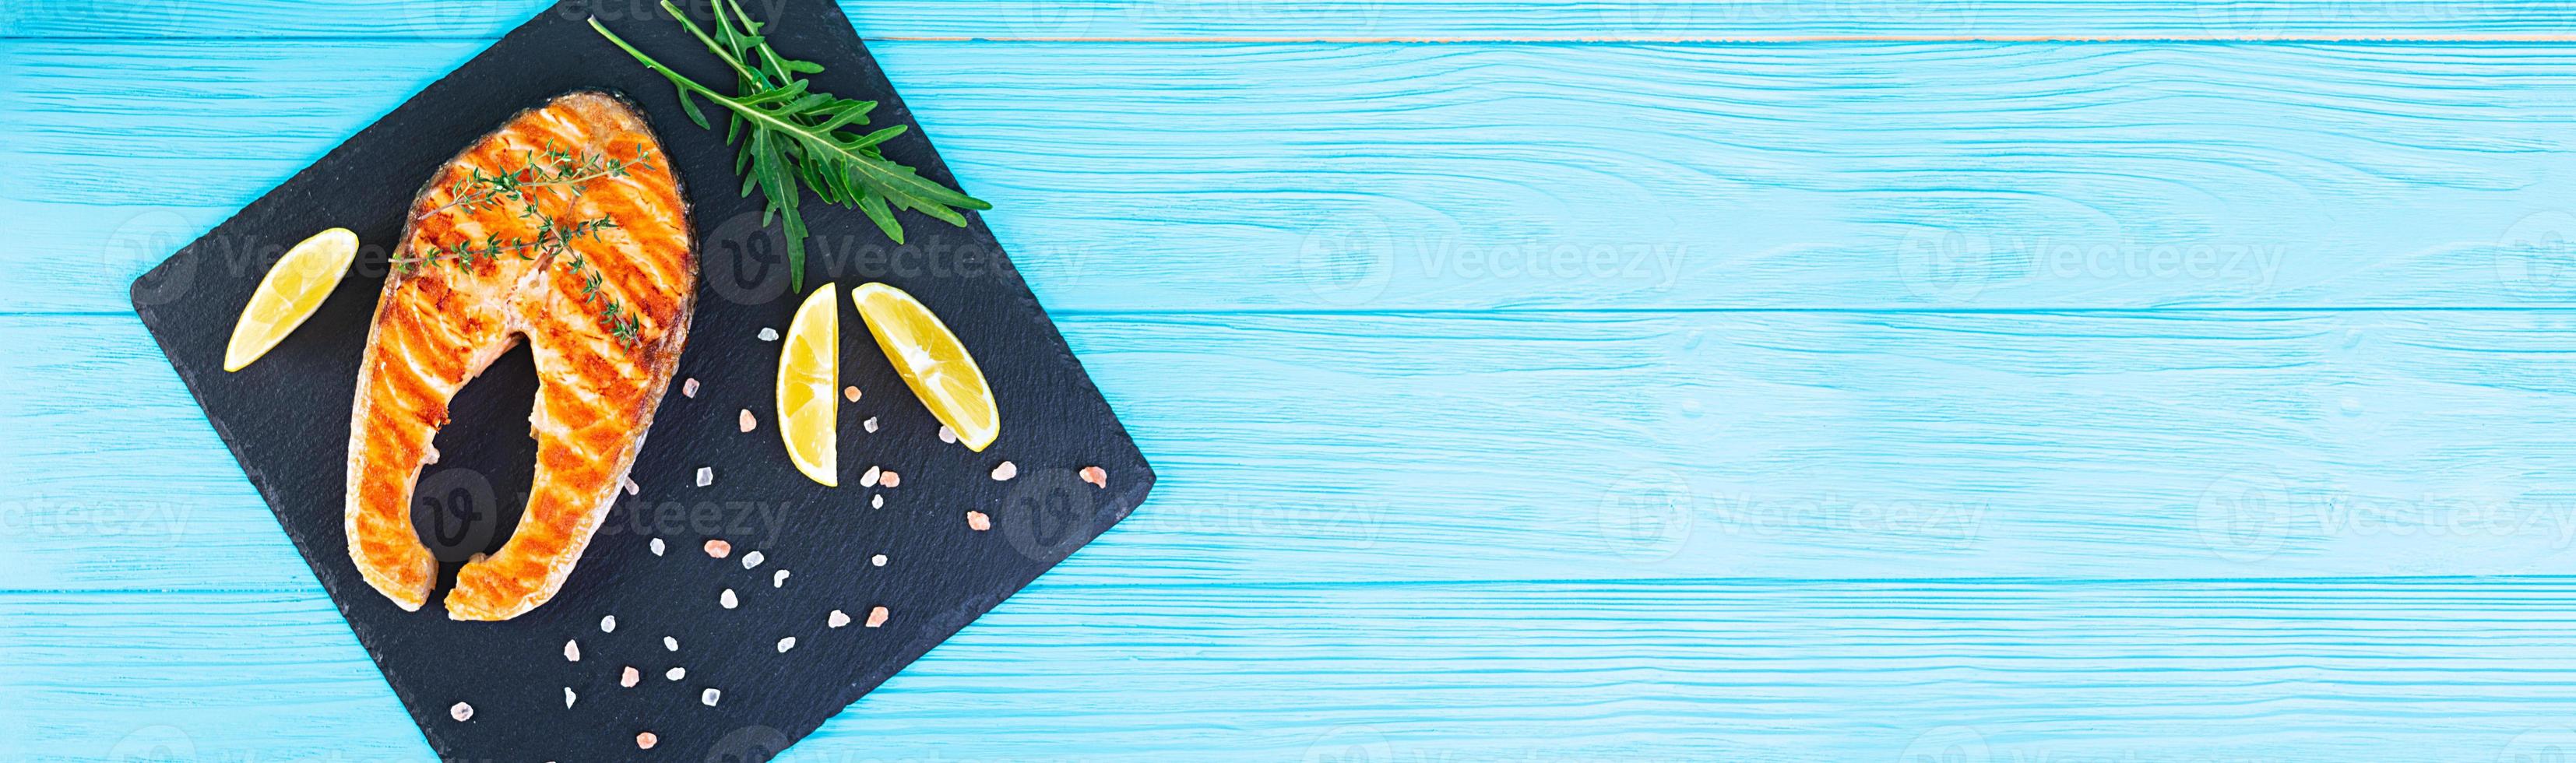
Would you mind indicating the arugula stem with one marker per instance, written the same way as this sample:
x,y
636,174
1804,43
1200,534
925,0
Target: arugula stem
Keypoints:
x,y
710,42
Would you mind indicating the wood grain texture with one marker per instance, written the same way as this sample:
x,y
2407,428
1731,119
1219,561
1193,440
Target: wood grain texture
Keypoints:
x,y
1605,446
1996,670
1448,20
1952,332
1472,177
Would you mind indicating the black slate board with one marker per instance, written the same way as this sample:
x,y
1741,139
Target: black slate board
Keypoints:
x,y
285,418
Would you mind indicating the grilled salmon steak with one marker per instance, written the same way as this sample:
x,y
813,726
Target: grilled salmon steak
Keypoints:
x,y
507,243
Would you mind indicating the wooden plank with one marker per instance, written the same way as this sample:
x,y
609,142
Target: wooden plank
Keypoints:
x,y
1735,670
1468,177
1365,19
1603,446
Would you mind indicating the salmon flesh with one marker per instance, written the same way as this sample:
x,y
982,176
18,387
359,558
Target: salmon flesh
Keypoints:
x,y
447,313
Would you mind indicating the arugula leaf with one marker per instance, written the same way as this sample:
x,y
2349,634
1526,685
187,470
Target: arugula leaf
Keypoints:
x,y
791,138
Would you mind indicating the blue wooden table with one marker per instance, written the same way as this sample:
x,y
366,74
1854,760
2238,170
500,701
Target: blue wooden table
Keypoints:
x,y
1950,380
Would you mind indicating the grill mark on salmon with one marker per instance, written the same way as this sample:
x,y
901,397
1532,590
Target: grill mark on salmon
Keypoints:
x,y
438,326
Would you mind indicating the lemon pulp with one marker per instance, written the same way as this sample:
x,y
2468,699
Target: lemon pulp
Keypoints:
x,y
809,371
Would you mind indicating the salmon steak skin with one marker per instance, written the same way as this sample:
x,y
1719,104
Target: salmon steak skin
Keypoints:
x,y
564,228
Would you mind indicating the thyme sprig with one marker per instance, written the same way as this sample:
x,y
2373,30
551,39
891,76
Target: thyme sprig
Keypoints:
x,y
561,169
558,169
789,136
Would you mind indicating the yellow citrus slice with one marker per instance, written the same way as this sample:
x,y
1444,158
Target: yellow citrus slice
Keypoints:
x,y
809,373
932,362
292,290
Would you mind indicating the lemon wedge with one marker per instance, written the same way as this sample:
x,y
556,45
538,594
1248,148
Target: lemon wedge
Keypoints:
x,y
932,362
292,290
809,373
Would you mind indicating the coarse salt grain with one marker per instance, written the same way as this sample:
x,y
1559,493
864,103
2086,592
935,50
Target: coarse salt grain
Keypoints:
x,y
977,520
689,387
876,616
878,560
838,619
461,712
768,334
627,483
608,624
719,548
728,599
629,677
752,559
876,502
572,651
568,697
1006,471
676,673
746,422
778,579
786,644
850,393
646,740
946,434
706,476
670,644
1097,476
870,478
657,547
870,425
709,697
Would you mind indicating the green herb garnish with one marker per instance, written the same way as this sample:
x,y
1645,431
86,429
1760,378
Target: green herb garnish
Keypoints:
x,y
789,135
558,169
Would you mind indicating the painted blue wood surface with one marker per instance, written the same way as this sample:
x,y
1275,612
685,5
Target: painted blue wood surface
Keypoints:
x,y
1861,391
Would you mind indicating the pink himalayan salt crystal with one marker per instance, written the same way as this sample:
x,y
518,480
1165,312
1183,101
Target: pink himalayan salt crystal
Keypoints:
x,y
977,520
1097,476
718,548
